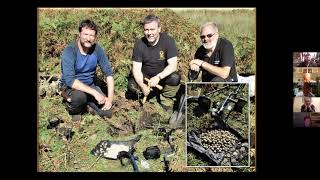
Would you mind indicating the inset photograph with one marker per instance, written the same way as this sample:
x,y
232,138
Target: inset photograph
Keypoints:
x,y
306,81
218,127
306,112
306,59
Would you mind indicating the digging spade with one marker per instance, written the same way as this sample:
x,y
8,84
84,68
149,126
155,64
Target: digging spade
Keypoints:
x,y
176,119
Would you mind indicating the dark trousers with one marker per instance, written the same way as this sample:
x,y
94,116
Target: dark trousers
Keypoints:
x,y
193,75
170,84
80,100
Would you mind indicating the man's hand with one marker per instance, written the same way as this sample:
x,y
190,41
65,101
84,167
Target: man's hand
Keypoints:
x,y
154,81
145,90
195,67
307,108
107,104
195,64
78,85
101,99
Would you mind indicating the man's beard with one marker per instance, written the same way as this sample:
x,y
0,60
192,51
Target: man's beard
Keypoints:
x,y
83,44
208,46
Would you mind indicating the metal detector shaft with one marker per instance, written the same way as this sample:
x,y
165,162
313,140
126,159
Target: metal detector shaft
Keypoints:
x,y
134,164
205,95
216,90
130,156
228,98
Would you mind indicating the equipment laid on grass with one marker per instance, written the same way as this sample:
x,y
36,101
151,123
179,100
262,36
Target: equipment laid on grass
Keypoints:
x,y
54,122
129,155
110,149
166,164
117,150
217,109
152,152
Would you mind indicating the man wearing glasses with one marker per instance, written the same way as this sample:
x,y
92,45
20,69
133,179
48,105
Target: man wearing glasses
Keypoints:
x,y
154,57
215,57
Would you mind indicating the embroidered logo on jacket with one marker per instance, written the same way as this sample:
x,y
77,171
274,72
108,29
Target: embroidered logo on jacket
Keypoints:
x,y
161,54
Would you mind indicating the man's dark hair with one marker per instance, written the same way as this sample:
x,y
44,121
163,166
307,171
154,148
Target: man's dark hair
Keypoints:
x,y
150,18
89,24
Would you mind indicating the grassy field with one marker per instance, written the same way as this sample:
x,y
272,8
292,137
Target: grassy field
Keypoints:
x,y
235,22
118,30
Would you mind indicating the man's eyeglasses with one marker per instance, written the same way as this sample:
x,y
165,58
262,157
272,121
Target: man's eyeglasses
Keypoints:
x,y
208,35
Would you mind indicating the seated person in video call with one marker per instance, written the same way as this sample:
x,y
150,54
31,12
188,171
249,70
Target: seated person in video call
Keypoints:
x,y
307,106
307,90
318,59
215,57
309,59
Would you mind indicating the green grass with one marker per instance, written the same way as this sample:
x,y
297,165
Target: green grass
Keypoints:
x,y
93,130
243,19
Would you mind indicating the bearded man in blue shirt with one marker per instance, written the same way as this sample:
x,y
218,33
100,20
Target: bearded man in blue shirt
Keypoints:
x,y
78,67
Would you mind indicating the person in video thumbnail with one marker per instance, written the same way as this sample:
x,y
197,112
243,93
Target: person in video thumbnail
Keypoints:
x,y
308,106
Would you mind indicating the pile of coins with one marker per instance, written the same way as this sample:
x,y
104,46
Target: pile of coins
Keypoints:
x,y
218,140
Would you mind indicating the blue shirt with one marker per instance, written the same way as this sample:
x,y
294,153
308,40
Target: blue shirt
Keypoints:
x,y
75,65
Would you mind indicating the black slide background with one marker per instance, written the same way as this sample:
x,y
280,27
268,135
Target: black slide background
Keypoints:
x,y
281,30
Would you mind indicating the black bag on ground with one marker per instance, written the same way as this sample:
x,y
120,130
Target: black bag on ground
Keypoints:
x,y
152,152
